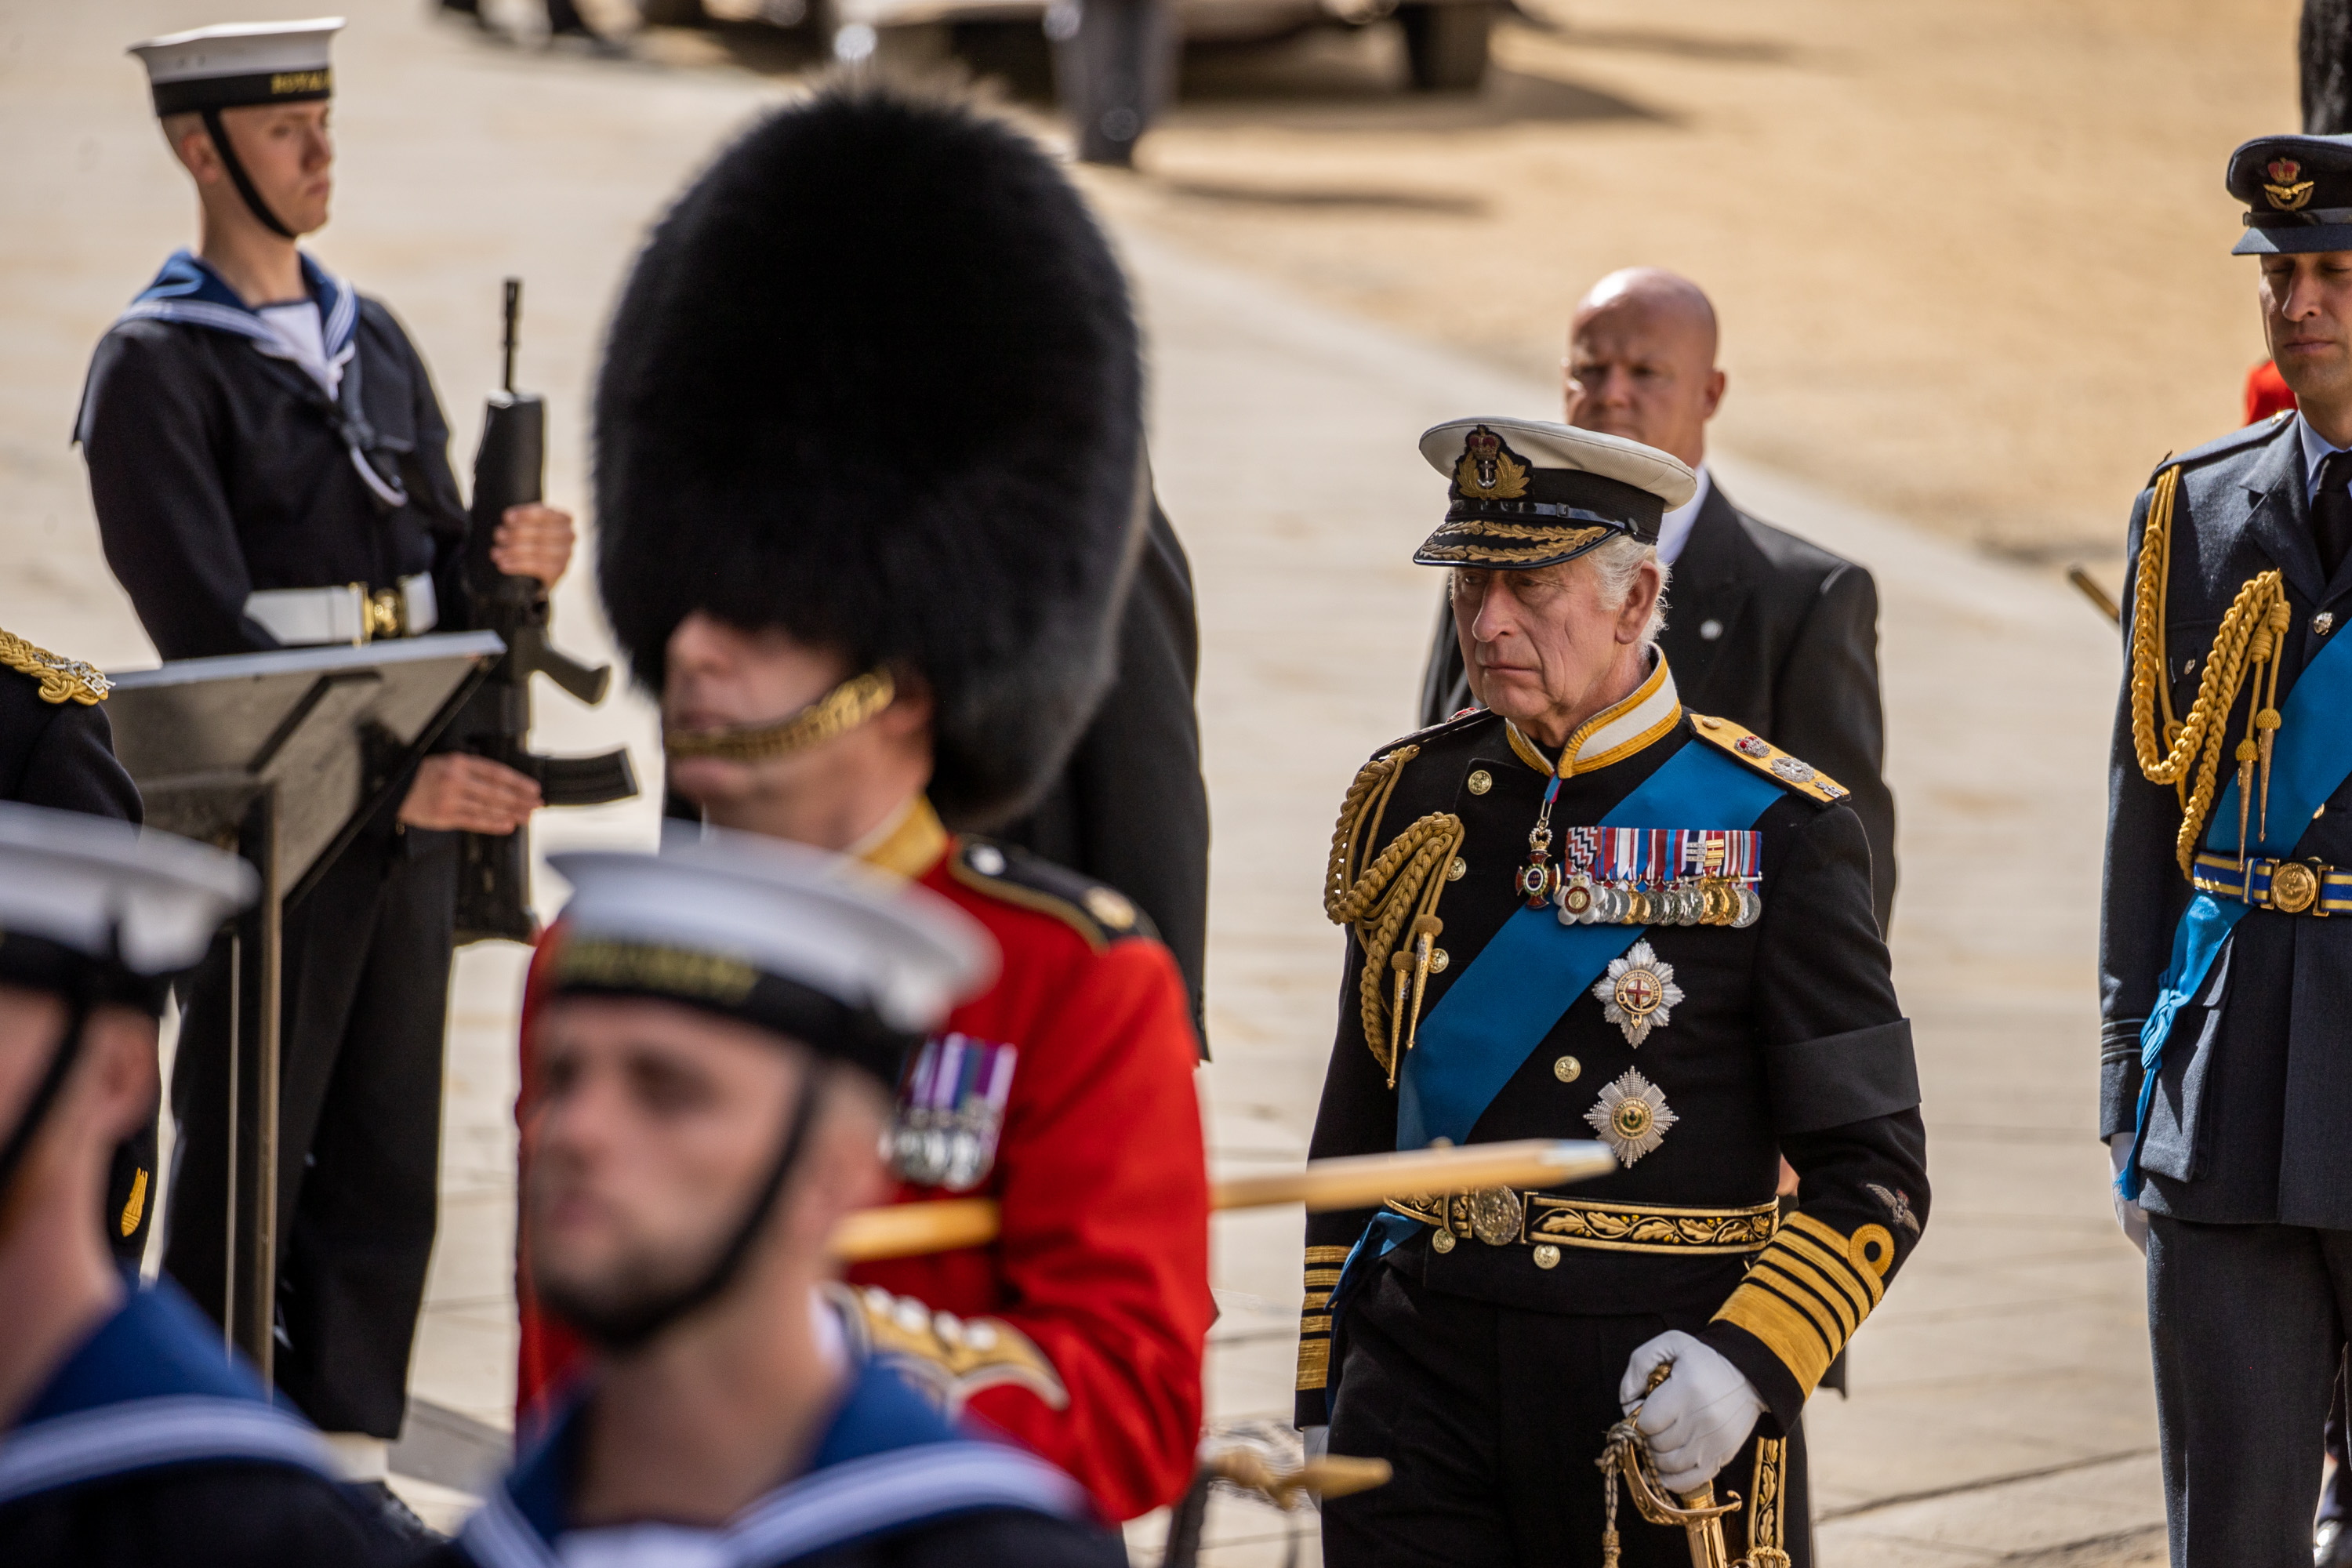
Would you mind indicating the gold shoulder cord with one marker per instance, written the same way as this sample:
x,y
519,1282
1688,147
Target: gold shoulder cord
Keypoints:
x,y
62,679
2248,640
1403,884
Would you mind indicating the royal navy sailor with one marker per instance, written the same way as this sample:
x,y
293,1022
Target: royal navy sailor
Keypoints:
x,y
720,1032
269,468
1585,910
126,1434
2226,979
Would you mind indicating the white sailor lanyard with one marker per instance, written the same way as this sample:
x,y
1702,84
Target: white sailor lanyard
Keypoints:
x,y
951,1111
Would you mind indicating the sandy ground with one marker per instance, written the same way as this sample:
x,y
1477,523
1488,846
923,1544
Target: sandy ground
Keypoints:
x,y
1940,238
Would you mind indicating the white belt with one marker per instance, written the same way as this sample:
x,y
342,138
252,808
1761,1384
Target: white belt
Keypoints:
x,y
302,617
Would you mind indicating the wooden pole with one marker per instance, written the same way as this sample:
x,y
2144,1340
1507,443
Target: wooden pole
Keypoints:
x,y
908,1230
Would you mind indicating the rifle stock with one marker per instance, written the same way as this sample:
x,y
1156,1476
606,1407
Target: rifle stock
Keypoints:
x,y
509,469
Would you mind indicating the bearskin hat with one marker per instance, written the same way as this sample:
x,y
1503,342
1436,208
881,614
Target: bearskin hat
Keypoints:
x,y
875,381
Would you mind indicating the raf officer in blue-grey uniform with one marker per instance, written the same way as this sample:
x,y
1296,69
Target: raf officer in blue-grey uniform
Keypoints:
x,y
1584,908
720,1029
2225,975
127,1435
269,468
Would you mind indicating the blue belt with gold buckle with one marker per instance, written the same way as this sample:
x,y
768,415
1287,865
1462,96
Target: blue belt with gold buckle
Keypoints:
x,y
2290,886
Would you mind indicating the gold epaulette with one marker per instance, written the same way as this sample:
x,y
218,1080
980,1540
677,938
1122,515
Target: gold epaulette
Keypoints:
x,y
1096,910
949,1358
62,679
1767,758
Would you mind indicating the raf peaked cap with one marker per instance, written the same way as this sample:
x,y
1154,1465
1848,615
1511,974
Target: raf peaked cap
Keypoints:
x,y
852,963
240,63
2298,193
875,381
95,907
1521,493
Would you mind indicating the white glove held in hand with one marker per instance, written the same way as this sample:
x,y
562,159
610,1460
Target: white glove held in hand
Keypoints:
x,y
1699,1416
2129,1214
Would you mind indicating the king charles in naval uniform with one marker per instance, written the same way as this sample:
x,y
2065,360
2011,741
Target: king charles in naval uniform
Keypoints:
x,y
1584,912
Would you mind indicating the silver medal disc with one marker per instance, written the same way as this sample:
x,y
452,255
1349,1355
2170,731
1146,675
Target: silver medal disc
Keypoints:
x,y
1750,907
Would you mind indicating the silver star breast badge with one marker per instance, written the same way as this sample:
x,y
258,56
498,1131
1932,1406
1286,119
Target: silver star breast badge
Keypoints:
x,y
1638,993
1632,1116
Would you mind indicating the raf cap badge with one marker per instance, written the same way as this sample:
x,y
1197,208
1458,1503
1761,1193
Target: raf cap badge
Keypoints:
x,y
2297,194
2285,192
1638,993
1631,1117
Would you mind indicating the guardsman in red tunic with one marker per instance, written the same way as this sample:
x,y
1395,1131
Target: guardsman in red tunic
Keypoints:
x,y
905,613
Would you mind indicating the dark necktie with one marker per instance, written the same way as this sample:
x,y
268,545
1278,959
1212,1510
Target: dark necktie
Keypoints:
x,y
2331,511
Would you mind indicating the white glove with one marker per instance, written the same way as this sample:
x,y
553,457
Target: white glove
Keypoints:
x,y
1698,1416
1318,1441
2129,1214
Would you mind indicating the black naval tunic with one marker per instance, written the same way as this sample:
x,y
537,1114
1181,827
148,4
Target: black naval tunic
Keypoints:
x,y
1488,1374
220,468
57,750
149,1448
890,1484
2247,1171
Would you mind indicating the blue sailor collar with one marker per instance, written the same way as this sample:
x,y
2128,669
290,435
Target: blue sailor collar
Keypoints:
x,y
888,1461
188,290
152,1386
1645,715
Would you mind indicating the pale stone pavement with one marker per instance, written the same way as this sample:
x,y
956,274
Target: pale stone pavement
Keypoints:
x,y
2002,1409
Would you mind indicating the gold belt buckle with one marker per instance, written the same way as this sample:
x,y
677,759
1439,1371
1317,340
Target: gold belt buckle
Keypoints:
x,y
2294,887
386,613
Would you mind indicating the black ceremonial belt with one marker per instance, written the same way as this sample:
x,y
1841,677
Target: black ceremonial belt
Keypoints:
x,y
1503,1217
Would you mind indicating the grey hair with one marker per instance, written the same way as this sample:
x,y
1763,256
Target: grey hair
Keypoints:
x,y
1616,563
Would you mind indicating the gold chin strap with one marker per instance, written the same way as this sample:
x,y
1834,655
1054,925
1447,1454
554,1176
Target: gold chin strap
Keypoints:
x,y
2247,642
837,712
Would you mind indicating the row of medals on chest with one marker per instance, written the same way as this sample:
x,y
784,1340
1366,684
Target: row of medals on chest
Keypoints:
x,y
1619,877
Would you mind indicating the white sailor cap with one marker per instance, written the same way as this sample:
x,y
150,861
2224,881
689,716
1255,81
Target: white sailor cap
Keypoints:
x,y
240,63
89,900
850,961
1524,493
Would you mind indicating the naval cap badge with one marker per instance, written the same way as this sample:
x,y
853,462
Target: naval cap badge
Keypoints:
x,y
1488,469
1631,1117
1638,993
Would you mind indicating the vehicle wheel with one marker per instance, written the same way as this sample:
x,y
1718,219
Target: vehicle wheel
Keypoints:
x,y
673,14
1446,45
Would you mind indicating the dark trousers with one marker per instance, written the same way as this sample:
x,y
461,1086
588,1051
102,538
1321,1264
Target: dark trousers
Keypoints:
x,y
366,994
2247,1323
1491,1419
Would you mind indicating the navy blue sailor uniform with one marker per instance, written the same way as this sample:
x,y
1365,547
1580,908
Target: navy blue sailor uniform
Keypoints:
x,y
149,1445
890,1482
2225,973
244,507
1663,937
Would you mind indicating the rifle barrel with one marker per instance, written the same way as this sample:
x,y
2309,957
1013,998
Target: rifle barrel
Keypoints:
x,y
2090,589
513,331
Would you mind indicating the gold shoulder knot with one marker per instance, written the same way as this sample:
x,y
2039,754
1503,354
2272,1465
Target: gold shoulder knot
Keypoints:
x,y
1767,758
62,679
946,1357
1390,899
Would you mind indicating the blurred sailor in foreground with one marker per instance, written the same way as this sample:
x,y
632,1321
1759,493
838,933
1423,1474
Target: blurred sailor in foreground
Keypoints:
x,y
127,1436
715,1047
269,468
899,615
1584,907
2226,987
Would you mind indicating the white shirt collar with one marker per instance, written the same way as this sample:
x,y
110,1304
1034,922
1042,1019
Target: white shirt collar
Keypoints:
x,y
1675,531
2316,452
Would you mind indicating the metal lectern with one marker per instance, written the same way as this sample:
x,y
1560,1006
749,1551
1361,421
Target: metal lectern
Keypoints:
x,y
282,757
